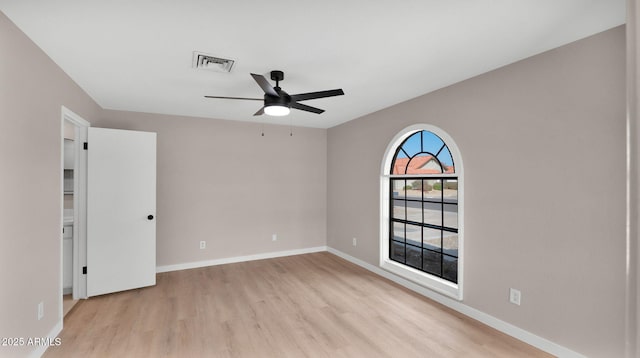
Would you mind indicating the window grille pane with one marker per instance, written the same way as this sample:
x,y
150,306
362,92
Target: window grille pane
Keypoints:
x,y
412,145
414,257
399,211
414,189
431,238
414,235
398,231
431,262
401,154
451,216
397,251
424,163
450,271
414,211
432,213
431,143
447,161
397,188
450,243
432,190
400,165
450,193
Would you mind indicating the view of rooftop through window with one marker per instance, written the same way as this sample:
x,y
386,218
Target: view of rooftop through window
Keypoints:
x,y
423,153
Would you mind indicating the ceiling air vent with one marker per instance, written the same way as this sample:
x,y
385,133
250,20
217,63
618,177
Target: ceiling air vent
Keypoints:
x,y
209,62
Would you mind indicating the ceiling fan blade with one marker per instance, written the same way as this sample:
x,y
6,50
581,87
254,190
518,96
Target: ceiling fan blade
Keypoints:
x,y
249,99
304,107
260,112
265,85
314,95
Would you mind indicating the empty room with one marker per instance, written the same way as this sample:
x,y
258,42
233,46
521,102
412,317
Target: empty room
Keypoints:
x,y
319,179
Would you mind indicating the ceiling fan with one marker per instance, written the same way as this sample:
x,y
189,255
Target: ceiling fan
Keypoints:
x,y
277,102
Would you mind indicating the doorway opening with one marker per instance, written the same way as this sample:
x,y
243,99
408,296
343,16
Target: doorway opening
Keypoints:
x,y
74,204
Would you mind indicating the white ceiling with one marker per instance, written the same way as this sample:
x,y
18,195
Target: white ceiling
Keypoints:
x,y
136,55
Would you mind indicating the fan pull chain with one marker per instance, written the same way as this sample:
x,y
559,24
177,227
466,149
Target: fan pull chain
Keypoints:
x,y
262,128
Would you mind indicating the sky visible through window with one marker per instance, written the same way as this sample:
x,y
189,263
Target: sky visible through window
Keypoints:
x,y
429,143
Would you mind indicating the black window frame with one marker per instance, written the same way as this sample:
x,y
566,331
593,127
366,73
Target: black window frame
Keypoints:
x,y
444,270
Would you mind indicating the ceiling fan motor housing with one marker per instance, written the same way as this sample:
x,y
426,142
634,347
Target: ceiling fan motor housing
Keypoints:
x,y
284,99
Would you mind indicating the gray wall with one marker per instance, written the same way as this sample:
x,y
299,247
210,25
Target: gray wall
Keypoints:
x,y
543,146
32,91
222,182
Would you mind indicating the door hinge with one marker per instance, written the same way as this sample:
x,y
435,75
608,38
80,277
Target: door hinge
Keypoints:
x,y
84,270
85,146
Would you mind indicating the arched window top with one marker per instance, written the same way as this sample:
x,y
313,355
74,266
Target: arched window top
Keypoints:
x,y
423,152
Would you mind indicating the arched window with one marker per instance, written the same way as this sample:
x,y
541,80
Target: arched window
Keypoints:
x,y
421,236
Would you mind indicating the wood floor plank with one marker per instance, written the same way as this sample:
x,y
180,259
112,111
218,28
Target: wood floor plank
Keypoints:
x,y
313,305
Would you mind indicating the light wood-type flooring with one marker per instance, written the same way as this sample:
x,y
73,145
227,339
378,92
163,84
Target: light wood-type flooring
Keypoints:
x,y
314,305
67,304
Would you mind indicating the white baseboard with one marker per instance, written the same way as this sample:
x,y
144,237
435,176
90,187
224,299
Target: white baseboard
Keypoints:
x,y
507,328
40,349
229,260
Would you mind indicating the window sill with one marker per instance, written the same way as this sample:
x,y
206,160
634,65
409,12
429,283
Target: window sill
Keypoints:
x,y
436,284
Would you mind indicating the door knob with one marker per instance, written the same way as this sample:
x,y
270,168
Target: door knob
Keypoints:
x,y
150,217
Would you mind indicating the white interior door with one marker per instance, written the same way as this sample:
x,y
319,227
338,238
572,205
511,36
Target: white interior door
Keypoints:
x,y
121,209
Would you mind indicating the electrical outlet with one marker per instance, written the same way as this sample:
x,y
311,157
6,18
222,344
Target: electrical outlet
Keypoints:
x,y
203,245
514,296
274,237
40,310
355,241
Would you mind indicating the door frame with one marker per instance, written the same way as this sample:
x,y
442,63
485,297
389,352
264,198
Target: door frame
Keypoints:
x,y
79,204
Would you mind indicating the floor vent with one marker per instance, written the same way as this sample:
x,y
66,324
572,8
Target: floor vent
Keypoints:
x,y
212,63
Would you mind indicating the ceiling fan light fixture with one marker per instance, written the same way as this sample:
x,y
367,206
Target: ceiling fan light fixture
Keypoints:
x,y
276,110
